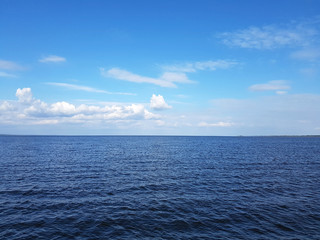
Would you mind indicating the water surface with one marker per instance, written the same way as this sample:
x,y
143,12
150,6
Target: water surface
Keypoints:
x,y
126,187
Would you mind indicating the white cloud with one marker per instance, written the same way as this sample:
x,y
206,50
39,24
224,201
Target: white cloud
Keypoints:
x,y
271,86
28,110
217,124
160,123
172,73
121,74
7,75
85,88
309,54
309,72
186,67
52,58
279,114
196,66
9,65
166,80
6,106
175,77
45,122
62,108
24,95
272,36
281,92
182,96
158,103
213,65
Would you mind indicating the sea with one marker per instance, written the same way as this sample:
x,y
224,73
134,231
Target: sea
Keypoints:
x,y
159,187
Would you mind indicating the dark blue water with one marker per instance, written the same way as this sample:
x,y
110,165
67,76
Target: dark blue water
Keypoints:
x,y
159,187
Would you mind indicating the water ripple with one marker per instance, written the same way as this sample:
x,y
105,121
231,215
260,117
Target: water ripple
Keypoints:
x,y
159,188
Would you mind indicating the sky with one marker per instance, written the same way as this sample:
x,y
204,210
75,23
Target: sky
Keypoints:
x,y
170,67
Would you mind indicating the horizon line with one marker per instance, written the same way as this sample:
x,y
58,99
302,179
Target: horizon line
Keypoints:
x,y
154,135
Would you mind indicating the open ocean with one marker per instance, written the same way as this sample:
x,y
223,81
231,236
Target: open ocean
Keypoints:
x,y
157,187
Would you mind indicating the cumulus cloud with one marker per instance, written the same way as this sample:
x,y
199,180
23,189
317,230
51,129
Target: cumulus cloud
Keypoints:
x,y
52,58
24,95
34,111
6,106
277,86
85,88
62,108
158,103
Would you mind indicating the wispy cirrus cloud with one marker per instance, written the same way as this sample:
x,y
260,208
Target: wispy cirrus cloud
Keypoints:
x,y
9,65
52,59
7,75
84,88
216,124
168,79
309,71
308,54
200,66
273,36
172,74
278,85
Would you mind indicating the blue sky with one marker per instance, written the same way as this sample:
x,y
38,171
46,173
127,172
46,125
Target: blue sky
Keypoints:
x,y
160,67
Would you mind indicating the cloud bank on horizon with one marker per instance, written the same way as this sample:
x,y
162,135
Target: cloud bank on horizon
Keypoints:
x,y
225,113
28,110
120,74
